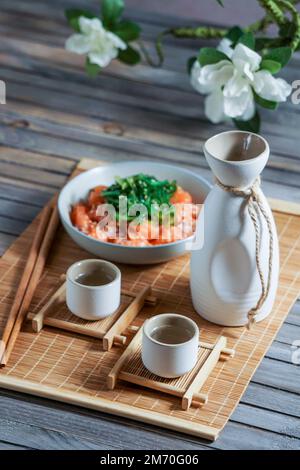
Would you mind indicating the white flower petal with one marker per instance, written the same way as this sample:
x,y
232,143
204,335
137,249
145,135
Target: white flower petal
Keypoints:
x,y
88,25
245,60
225,47
238,98
103,58
116,41
101,46
249,108
236,85
78,43
271,88
206,79
214,107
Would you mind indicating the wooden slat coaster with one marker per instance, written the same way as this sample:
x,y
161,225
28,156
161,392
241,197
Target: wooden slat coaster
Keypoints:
x,y
55,313
130,368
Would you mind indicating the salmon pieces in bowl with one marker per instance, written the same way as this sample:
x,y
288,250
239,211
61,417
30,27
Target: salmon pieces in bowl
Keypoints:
x,y
139,210
133,212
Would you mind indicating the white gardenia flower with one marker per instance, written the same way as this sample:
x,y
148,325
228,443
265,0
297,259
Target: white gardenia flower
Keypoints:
x,y
100,45
229,84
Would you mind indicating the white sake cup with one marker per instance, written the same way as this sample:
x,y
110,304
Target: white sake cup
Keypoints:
x,y
97,301
170,359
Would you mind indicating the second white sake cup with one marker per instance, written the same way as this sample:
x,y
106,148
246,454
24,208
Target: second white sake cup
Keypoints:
x,y
170,345
97,301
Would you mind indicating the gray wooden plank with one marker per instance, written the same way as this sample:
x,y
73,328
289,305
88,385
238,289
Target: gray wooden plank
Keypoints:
x,y
185,103
271,399
109,430
278,374
91,130
12,226
34,160
50,145
29,195
280,352
104,431
27,185
294,316
267,420
46,32
44,177
151,22
44,118
279,145
40,438
288,333
5,241
235,438
11,135
18,210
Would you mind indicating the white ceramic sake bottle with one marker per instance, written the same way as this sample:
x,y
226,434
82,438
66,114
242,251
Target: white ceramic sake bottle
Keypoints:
x,y
225,282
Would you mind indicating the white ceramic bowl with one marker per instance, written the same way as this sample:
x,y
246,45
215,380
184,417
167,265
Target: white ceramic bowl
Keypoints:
x,y
79,187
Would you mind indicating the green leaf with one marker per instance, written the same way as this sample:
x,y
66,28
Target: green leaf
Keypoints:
x,y
253,125
248,40
220,2
270,65
129,56
279,54
234,34
127,30
73,15
287,30
262,43
190,63
111,11
92,69
209,55
265,103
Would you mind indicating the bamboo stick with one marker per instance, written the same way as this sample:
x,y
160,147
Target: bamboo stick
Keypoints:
x,y
150,299
203,373
34,279
25,279
126,318
38,319
198,399
113,374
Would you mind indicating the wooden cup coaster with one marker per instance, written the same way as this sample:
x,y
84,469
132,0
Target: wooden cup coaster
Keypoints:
x,y
55,313
130,368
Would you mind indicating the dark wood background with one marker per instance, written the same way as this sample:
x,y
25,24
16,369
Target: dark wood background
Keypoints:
x,y
55,115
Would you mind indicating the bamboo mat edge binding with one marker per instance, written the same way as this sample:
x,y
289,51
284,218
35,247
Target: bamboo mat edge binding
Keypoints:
x,y
111,407
201,430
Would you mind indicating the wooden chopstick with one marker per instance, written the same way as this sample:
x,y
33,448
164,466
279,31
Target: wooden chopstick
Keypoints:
x,y
50,226
29,266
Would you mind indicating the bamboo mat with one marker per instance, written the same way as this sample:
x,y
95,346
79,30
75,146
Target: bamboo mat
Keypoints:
x,y
73,368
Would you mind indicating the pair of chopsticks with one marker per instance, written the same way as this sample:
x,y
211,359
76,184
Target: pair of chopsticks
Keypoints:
x,y
34,266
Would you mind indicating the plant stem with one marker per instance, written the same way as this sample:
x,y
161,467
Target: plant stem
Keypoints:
x,y
147,56
199,32
274,11
295,40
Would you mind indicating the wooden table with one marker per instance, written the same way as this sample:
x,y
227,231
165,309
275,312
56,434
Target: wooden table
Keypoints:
x,y
54,116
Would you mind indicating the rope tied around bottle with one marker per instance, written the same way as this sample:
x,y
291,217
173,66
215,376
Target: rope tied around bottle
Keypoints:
x,y
255,206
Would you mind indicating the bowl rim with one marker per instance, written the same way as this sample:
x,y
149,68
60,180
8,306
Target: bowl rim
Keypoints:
x,y
131,162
